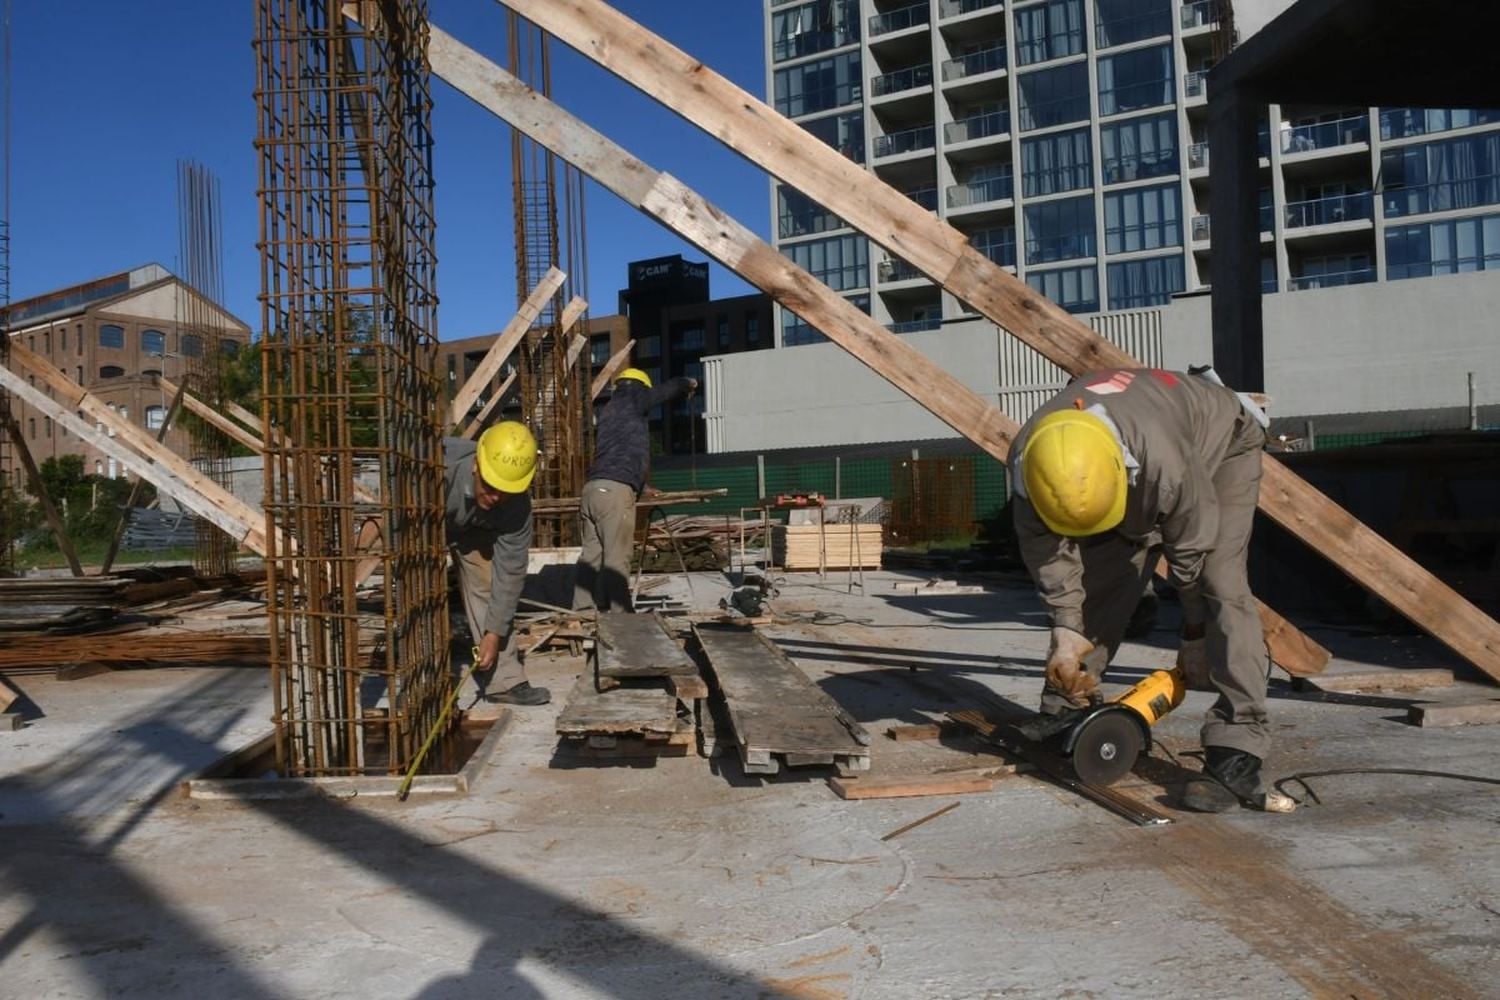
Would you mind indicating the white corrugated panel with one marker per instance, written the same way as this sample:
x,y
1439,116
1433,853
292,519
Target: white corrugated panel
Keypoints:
x,y
1027,380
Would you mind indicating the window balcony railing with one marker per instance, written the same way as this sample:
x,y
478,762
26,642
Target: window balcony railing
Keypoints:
x,y
892,269
1198,156
1200,229
1332,279
999,245
1121,169
898,20
983,126
953,8
906,141
1068,246
924,196
1401,123
1124,30
998,188
901,80
1470,192
916,325
1200,14
974,63
1326,135
1195,84
1328,211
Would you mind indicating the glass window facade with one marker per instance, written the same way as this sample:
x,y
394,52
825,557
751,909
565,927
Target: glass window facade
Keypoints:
x,y
796,332
1137,284
1138,148
1119,22
1452,247
1141,78
1060,230
155,342
1143,219
799,215
845,132
1398,123
111,336
813,27
820,85
1076,289
1058,96
840,263
1439,176
1049,31
1055,163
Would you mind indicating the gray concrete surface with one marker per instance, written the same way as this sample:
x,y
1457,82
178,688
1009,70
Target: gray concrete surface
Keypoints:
x,y
562,878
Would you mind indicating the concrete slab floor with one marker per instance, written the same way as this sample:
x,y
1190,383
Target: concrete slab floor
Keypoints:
x,y
562,878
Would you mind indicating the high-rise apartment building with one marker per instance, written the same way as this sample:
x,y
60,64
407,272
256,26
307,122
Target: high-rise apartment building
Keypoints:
x,y
1068,140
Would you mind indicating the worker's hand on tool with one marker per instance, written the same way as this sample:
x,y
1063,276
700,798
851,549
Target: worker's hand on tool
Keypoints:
x,y
1065,673
489,652
1192,661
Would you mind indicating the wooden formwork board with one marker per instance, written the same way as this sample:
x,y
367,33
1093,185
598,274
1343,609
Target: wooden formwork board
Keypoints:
x,y
638,645
777,716
621,711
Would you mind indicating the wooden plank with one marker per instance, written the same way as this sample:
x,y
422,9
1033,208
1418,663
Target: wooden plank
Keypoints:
x,y
621,710
772,708
638,645
136,449
571,313
1459,713
482,417
8,695
505,343
928,731
616,361
1379,680
681,209
909,786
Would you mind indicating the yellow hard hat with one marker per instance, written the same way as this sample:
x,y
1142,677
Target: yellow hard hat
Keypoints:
x,y
507,456
634,374
1074,473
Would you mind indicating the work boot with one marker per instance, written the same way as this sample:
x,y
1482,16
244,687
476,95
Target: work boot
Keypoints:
x,y
1046,725
522,694
1231,777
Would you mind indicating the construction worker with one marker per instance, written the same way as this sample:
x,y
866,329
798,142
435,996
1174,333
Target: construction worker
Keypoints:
x,y
606,512
489,533
1115,465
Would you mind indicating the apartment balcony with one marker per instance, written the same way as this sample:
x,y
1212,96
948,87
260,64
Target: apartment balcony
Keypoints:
x,y
924,196
998,244
956,8
916,325
1359,276
1330,211
906,141
1406,123
991,123
901,80
900,19
894,269
1198,156
1350,131
1200,229
1200,14
975,63
1443,196
1195,86
992,189
808,43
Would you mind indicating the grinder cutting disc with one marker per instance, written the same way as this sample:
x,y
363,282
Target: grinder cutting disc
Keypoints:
x,y
1105,746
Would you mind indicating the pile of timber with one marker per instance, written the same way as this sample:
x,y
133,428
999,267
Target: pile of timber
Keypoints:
x,y
826,546
45,654
79,603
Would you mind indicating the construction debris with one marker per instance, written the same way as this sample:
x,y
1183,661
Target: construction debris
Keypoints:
x,y
1377,680
1482,712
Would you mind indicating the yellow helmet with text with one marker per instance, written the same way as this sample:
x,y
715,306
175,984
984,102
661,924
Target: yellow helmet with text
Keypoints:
x,y
1073,469
507,456
634,375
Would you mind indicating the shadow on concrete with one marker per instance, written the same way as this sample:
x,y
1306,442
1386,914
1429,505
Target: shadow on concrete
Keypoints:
x,y
130,940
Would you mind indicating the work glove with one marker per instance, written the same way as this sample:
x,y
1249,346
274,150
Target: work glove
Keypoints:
x,y
1065,671
1192,661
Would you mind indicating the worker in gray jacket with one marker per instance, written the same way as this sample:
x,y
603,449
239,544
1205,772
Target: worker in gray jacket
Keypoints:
x,y
606,511
1120,462
489,533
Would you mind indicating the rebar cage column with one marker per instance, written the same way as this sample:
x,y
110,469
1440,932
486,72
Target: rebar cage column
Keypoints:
x,y
349,383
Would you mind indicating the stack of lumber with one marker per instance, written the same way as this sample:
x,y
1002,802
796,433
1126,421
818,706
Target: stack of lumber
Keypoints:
x,y
35,654
830,546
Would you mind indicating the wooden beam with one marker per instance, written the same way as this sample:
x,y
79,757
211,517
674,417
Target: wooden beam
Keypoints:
x,y
571,313
483,416
759,133
213,417
575,348
1466,713
49,509
119,533
505,343
611,367
684,211
134,447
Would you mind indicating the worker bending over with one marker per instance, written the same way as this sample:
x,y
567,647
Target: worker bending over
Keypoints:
x,y
489,533
606,511
1115,464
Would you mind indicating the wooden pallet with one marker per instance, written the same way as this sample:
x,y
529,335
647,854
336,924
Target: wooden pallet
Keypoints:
x,y
831,546
777,717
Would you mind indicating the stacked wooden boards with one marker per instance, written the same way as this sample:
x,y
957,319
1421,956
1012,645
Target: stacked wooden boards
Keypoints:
x,y
830,546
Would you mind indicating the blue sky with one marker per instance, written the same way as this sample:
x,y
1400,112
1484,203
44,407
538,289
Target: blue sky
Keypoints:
x,y
107,97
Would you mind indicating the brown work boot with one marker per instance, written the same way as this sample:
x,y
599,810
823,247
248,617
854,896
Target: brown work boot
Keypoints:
x,y
1231,778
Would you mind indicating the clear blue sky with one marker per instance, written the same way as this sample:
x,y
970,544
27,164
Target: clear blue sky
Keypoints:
x,y
107,96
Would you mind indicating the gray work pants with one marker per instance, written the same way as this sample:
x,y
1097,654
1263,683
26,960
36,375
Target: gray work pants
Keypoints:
x,y
1115,571
474,582
606,525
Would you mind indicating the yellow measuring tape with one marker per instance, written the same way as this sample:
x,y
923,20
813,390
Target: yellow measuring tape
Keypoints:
x,y
405,788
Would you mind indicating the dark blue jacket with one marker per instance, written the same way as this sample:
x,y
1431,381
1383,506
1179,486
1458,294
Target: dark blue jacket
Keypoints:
x,y
622,449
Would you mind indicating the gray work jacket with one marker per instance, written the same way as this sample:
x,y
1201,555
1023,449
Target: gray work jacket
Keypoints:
x,y
504,528
1176,430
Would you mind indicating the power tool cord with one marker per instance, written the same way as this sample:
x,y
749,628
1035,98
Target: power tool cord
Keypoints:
x,y
1301,778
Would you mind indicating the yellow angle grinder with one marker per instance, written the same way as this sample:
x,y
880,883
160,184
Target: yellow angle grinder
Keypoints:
x,y
1105,743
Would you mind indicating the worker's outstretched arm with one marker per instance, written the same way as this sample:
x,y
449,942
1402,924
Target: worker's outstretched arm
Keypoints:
x,y
669,391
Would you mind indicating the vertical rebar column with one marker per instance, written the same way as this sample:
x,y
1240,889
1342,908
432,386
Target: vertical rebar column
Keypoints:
x,y
9,479
555,400
200,323
349,389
